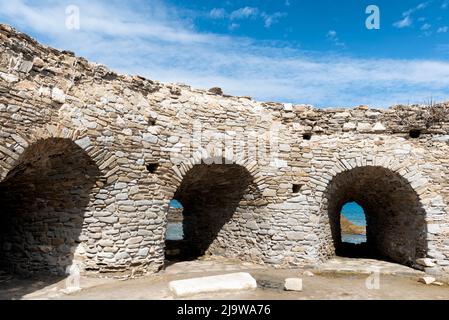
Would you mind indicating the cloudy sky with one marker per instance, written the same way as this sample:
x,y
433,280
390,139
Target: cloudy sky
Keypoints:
x,y
317,52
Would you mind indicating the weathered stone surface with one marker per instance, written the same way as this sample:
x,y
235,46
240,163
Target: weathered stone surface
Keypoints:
x,y
227,282
425,262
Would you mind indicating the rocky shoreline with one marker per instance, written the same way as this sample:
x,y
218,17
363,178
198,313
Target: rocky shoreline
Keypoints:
x,y
347,227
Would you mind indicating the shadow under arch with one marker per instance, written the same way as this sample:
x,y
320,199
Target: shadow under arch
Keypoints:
x,y
210,195
43,200
396,226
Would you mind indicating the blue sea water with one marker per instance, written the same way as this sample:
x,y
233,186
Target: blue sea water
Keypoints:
x,y
353,238
174,231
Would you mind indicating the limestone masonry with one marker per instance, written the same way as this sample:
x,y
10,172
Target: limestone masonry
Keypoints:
x,y
89,161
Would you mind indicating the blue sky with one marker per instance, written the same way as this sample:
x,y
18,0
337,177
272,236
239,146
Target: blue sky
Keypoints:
x,y
316,52
354,213
175,204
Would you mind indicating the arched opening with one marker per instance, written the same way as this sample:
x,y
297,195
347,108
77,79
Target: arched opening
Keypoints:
x,y
211,196
395,219
43,201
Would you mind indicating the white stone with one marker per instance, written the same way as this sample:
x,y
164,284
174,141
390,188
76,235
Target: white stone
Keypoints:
x,y
349,126
227,282
444,138
379,127
293,284
288,107
433,228
364,127
278,163
58,95
83,143
143,252
121,255
150,138
44,91
26,66
425,262
427,280
173,139
252,225
12,108
294,235
8,77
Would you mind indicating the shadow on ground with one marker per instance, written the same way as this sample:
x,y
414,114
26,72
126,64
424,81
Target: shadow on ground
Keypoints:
x,y
14,287
362,251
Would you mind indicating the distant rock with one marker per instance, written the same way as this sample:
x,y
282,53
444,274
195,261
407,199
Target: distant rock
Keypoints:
x,y
347,227
216,90
175,215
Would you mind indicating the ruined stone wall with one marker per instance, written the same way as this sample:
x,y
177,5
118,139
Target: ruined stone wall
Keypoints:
x,y
142,138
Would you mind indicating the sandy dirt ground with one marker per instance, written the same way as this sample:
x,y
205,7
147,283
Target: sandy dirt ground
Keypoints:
x,y
341,279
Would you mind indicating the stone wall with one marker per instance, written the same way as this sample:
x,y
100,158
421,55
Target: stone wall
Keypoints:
x,y
89,161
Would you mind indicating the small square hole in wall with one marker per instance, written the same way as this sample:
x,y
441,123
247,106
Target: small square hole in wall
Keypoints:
x,y
151,121
296,188
415,133
307,136
152,167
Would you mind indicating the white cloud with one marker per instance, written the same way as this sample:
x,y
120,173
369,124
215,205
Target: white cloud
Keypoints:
x,y
404,23
244,13
426,30
419,7
443,29
332,36
407,20
270,19
151,40
233,26
217,13
426,26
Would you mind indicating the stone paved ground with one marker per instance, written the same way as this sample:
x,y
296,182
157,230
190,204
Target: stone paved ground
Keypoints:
x,y
364,266
346,281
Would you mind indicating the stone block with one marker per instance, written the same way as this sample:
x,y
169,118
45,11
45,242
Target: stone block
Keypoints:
x,y
221,283
293,284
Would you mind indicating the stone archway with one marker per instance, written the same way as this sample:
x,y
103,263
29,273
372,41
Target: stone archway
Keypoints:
x,y
396,226
43,200
213,198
